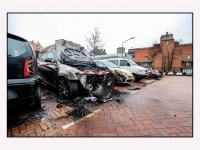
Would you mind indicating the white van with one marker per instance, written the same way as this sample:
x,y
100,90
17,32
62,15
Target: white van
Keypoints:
x,y
137,71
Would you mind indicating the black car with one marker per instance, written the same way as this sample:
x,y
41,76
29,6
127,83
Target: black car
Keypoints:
x,y
153,73
22,74
70,70
149,71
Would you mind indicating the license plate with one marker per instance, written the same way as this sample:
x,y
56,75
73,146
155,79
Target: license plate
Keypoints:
x,y
130,78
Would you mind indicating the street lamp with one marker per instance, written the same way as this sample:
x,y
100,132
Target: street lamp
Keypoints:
x,y
123,43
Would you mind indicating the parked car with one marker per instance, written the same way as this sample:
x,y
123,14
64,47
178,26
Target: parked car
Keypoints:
x,y
178,73
170,73
70,70
188,73
127,64
153,73
122,75
22,74
156,74
149,71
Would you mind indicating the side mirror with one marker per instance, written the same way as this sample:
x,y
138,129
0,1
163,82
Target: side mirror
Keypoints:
x,y
48,59
128,64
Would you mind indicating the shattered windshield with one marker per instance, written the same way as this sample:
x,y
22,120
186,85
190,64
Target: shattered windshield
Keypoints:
x,y
132,63
111,65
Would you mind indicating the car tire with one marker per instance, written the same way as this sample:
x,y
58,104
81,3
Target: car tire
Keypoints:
x,y
37,99
70,90
134,78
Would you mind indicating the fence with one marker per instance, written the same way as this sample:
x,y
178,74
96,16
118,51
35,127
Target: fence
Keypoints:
x,y
165,69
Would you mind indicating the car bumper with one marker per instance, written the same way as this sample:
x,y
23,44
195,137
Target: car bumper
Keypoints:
x,y
141,76
20,92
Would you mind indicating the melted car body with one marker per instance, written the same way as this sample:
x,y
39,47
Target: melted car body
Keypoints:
x,y
70,69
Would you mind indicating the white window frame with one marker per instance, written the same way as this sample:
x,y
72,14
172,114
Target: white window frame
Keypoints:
x,y
189,56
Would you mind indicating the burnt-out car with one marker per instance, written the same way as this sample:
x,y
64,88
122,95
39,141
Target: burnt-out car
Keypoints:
x,y
70,70
22,74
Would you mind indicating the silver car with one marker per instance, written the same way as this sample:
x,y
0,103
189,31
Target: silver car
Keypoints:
x,y
122,75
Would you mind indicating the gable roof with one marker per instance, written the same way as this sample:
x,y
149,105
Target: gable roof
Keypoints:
x,y
34,46
47,48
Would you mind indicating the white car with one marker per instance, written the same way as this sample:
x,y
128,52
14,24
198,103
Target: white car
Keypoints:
x,y
122,75
127,64
170,73
178,73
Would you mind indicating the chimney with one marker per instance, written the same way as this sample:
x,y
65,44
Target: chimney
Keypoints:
x,y
166,33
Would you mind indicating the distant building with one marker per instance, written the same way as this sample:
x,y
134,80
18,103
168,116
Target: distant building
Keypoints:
x,y
33,44
118,55
183,56
97,52
119,50
48,48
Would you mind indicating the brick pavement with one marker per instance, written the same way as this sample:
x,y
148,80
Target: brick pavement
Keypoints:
x,y
163,109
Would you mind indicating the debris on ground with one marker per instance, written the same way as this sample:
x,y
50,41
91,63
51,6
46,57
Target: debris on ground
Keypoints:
x,y
59,105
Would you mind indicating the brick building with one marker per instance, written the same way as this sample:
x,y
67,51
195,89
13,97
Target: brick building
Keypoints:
x,y
167,55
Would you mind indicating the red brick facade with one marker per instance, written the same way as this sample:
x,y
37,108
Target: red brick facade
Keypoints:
x,y
182,55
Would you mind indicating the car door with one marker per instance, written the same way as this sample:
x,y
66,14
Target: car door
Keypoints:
x,y
41,66
50,70
125,65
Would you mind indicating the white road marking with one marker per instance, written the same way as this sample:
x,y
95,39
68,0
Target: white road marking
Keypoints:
x,y
134,91
68,125
77,121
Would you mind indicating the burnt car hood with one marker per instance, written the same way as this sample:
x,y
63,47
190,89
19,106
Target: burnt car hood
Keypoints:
x,y
76,56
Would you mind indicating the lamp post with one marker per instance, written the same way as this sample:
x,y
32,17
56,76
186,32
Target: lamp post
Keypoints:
x,y
123,43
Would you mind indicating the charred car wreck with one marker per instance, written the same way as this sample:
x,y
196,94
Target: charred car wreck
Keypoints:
x,y
71,71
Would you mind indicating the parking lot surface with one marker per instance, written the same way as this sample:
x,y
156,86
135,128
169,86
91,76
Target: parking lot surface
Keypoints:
x,y
150,108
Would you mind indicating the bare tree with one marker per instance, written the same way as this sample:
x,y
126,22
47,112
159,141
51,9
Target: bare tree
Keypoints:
x,y
171,53
153,53
176,44
94,41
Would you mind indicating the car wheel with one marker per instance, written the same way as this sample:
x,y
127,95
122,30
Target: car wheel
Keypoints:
x,y
67,89
134,78
37,99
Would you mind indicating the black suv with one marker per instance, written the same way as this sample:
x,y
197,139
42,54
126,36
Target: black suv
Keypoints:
x,y
22,74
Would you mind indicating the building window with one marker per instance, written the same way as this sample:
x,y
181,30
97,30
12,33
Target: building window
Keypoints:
x,y
177,49
145,57
188,56
167,42
139,63
188,64
180,49
148,63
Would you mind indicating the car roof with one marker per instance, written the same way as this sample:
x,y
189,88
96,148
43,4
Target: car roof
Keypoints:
x,y
100,60
16,37
116,59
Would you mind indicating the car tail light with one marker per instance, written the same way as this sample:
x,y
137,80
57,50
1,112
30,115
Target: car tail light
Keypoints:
x,y
29,67
149,71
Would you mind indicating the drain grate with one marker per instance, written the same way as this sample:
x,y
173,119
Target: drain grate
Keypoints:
x,y
77,114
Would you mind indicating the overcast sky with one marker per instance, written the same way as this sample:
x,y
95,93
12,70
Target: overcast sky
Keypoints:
x,y
115,28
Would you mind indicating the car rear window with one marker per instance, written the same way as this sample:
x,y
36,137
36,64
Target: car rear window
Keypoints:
x,y
17,47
